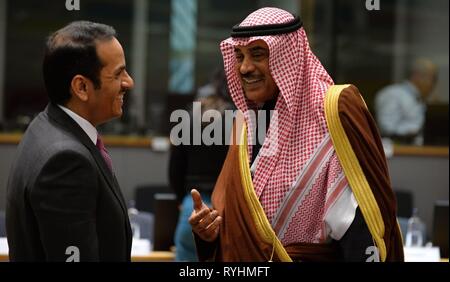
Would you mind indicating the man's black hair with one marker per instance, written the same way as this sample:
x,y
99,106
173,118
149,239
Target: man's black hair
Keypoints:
x,y
71,51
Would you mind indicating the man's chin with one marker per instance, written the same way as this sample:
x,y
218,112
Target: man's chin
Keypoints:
x,y
117,114
254,97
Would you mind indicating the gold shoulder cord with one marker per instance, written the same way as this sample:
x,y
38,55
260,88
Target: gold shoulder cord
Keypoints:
x,y
353,171
263,225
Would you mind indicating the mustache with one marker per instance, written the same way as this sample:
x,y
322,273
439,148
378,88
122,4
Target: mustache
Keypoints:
x,y
251,76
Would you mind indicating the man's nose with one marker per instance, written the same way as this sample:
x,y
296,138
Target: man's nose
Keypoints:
x,y
246,66
128,82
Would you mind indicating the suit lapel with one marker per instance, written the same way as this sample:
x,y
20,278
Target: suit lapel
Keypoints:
x,y
59,116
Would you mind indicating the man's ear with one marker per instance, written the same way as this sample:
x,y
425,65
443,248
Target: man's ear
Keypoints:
x,y
80,86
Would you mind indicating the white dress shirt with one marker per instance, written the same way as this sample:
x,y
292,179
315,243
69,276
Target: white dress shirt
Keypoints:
x,y
84,124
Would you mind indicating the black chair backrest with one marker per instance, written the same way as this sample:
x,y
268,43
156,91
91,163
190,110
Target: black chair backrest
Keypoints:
x,y
404,203
440,227
144,196
2,224
166,219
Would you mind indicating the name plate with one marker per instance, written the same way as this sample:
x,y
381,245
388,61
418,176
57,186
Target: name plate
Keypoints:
x,y
141,247
422,254
4,245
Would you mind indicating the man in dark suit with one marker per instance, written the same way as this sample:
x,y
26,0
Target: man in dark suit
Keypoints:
x,y
63,200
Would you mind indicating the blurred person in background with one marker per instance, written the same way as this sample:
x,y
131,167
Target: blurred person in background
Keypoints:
x,y
198,165
401,108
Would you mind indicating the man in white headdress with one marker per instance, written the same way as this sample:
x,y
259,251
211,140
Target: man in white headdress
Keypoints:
x,y
317,188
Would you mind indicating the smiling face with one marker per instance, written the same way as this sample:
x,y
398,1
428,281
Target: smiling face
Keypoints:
x,y
106,102
252,66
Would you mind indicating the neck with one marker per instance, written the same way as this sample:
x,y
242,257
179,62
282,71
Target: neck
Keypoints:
x,y
81,111
270,104
419,88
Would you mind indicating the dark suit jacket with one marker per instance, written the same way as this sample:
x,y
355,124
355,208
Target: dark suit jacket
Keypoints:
x,y
61,193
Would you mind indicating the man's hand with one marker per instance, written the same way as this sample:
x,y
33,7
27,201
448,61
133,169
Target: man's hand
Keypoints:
x,y
205,222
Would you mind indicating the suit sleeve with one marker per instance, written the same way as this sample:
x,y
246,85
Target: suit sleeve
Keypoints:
x,y
64,202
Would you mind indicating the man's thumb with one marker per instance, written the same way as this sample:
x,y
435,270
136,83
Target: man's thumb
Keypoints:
x,y
197,200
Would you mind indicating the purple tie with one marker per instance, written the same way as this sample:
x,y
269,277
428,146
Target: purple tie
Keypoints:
x,y
104,153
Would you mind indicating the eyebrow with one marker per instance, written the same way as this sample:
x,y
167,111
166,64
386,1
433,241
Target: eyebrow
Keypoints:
x,y
255,48
258,48
120,69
